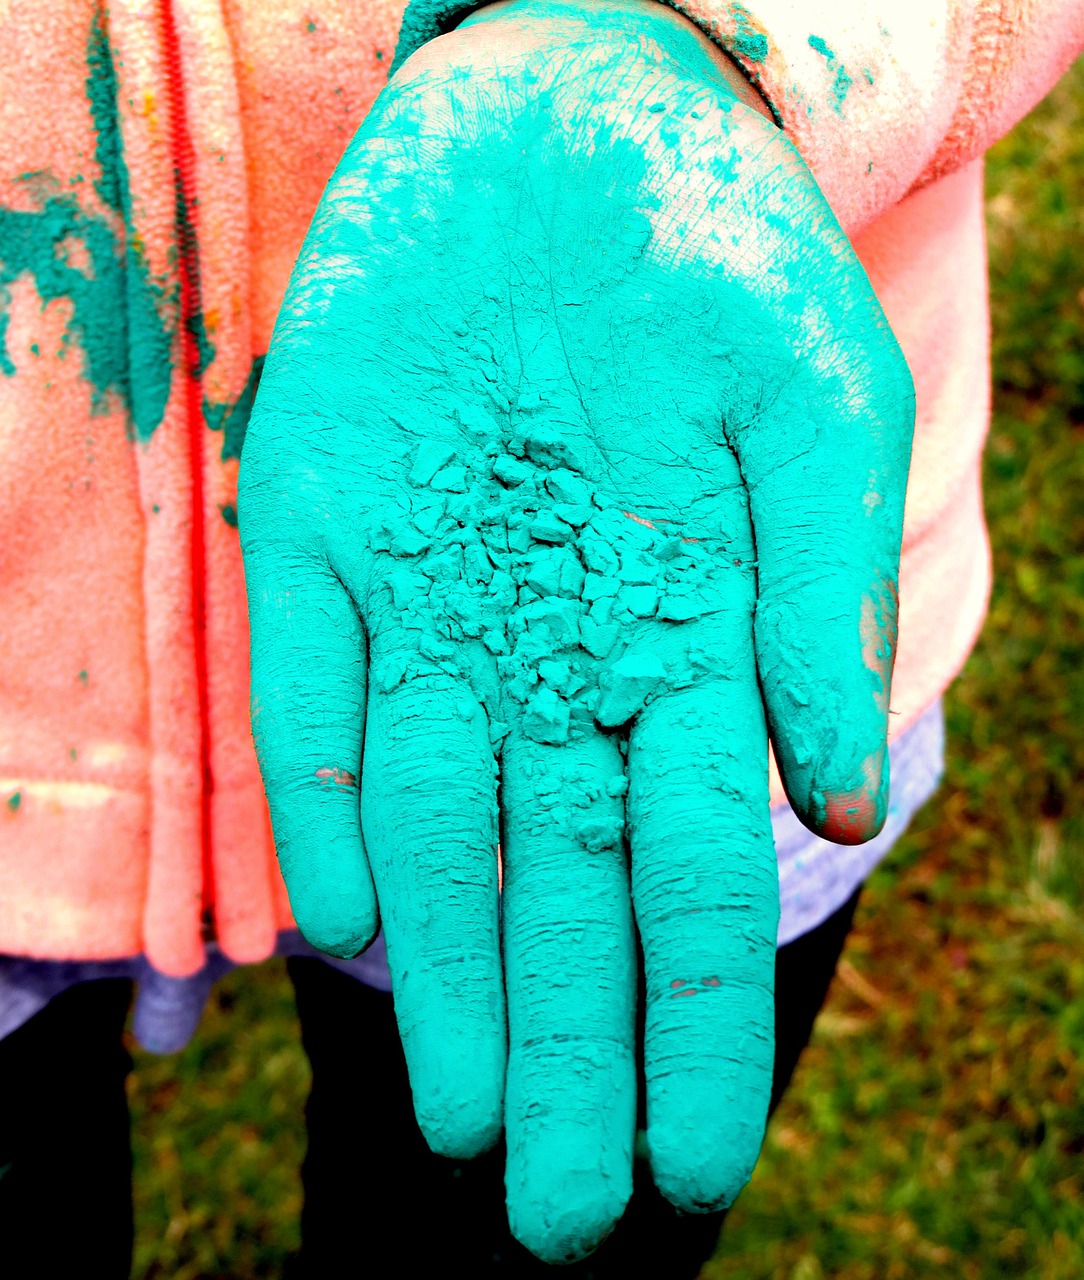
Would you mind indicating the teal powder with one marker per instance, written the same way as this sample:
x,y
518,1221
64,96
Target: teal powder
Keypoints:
x,y
152,306
101,90
122,318
14,801
32,243
7,365
842,81
747,41
196,325
576,467
232,418
187,244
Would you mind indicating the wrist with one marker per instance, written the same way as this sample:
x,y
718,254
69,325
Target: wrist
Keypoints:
x,y
537,23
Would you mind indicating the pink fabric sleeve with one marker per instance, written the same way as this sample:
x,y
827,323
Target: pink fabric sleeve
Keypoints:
x,y
882,97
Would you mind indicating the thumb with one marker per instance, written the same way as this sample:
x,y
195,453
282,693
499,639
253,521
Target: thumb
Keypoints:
x,y
826,468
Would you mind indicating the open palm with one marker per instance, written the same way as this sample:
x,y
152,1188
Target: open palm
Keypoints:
x,y
579,459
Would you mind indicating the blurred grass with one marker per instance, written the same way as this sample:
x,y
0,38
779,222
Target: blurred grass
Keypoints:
x,y
936,1127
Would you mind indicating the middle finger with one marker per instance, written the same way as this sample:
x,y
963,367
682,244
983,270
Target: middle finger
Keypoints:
x,y
571,983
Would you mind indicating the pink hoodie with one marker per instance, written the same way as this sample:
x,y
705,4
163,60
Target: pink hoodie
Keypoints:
x,y
159,164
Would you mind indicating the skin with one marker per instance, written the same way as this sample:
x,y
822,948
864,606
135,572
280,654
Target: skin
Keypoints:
x,y
577,466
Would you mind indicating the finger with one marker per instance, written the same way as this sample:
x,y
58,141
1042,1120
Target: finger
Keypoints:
x,y
571,979
826,465
308,716
429,817
706,895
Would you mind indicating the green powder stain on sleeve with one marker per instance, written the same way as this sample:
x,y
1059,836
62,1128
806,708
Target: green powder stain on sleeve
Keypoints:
x,y
843,81
7,365
122,317
151,305
101,90
747,41
31,243
232,419
188,245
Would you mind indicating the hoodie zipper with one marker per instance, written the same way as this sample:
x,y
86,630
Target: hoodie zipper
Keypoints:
x,y
184,170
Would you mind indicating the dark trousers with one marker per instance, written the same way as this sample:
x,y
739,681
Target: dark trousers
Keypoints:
x,y
374,1193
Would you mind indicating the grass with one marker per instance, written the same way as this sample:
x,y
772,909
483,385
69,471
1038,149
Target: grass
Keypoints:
x,y
936,1127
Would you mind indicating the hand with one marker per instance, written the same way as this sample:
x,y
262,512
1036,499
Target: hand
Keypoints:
x,y
580,451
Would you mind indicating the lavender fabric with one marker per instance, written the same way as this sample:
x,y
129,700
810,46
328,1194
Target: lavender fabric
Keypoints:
x,y
815,879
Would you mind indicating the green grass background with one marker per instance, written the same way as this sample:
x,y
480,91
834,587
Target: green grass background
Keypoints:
x,y
936,1126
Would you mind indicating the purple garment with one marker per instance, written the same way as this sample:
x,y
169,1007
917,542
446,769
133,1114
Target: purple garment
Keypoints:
x,y
167,1010
815,879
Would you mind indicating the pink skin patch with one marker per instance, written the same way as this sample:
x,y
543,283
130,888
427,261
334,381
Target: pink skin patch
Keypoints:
x,y
878,633
648,524
680,987
850,816
341,777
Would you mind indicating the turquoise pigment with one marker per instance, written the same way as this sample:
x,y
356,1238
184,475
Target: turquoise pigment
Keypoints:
x,y
122,317
576,467
842,81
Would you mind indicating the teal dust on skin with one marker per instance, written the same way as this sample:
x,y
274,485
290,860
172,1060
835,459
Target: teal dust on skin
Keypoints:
x,y
578,463
122,318
842,82
14,801
83,677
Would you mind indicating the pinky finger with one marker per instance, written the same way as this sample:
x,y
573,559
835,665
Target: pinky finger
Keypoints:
x,y
308,718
